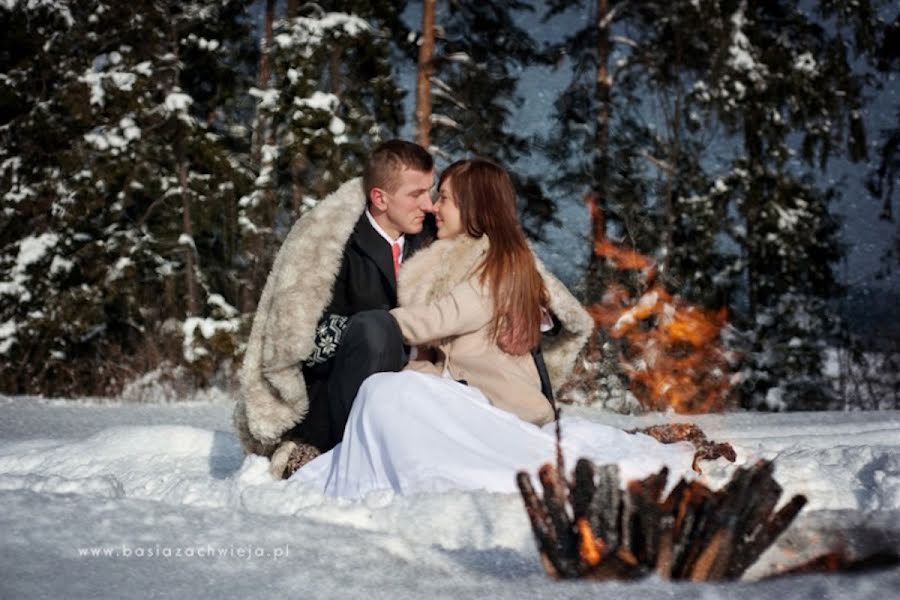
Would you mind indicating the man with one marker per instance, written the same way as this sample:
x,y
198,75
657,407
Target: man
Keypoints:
x,y
321,325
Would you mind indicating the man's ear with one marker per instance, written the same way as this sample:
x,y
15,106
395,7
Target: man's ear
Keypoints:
x,y
378,198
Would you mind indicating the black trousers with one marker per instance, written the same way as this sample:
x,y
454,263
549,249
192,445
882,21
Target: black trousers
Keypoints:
x,y
371,343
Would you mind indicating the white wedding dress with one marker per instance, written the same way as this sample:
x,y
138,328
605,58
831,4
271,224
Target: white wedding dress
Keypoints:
x,y
412,432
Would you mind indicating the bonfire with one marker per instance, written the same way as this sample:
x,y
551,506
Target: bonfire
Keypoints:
x,y
588,527
672,351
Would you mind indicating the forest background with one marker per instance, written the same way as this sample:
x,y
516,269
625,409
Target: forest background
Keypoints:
x,y
154,154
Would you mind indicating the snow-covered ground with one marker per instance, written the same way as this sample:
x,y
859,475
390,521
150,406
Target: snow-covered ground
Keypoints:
x,y
157,500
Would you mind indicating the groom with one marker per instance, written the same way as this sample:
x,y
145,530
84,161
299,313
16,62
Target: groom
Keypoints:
x,y
321,326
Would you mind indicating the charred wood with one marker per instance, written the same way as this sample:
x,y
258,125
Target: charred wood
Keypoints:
x,y
590,528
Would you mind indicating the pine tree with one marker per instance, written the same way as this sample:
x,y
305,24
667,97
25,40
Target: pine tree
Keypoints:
x,y
121,176
331,97
881,182
479,52
701,169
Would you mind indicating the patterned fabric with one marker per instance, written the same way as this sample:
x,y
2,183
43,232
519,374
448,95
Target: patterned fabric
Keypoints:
x,y
328,336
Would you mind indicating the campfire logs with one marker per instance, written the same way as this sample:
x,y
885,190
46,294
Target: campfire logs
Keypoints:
x,y
589,528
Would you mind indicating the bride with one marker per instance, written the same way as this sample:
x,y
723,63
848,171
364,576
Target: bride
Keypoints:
x,y
475,301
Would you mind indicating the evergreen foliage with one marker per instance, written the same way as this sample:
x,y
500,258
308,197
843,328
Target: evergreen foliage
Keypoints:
x,y
120,181
718,115
148,175
480,54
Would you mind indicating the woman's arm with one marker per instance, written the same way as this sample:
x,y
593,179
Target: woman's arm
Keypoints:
x,y
463,310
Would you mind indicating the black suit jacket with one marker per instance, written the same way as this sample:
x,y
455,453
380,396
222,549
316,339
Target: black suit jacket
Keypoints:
x,y
366,279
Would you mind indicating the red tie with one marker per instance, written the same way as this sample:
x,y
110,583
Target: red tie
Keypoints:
x,y
395,250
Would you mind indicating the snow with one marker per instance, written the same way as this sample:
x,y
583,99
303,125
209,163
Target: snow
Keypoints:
x,y
119,500
775,398
208,328
31,250
144,68
7,335
218,301
105,140
309,32
186,240
444,121
61,8
337,126
120,79
268,99
741,50
118,269
319,101
178,101
805,63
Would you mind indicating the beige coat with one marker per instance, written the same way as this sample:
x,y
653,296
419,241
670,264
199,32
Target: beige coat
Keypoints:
x,y
442,304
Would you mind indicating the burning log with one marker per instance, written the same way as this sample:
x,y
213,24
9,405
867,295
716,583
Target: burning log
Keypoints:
x,y
590,528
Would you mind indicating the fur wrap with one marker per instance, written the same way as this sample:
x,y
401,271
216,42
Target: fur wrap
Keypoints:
x,y
272,396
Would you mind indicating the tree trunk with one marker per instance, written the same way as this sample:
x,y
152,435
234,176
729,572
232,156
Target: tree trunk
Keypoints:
x,y
181,167
298,167
298,161
674,159
425,70
334,69
265,74
751,211
594,284
190,266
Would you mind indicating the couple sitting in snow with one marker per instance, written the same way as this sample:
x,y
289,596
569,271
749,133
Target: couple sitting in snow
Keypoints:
x,y
377,361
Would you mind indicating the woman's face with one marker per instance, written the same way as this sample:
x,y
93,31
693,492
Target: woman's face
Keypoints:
x,y
446,212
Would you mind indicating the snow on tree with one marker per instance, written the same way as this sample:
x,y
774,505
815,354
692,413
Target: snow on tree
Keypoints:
x,y
119,179
330,97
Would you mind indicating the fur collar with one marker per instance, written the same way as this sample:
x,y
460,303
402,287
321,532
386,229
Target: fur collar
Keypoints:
x,y
431,273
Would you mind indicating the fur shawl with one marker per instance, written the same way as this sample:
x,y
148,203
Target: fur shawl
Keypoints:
x,y
436,270
272,396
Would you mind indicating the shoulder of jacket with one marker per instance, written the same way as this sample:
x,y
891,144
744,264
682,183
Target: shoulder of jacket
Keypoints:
x,y
434,270
339,211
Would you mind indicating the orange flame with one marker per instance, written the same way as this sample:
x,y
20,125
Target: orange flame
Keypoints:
x,y
589,548
674,354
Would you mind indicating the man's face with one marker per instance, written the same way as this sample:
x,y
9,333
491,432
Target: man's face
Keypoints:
x,y
405,208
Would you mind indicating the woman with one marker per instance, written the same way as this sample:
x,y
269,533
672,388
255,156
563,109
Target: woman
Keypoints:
x,y
475,415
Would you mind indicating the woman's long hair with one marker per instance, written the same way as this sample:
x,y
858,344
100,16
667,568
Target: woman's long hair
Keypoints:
x,y
486,198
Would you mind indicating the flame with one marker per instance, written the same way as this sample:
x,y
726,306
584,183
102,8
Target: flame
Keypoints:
x,y
673,353
589,548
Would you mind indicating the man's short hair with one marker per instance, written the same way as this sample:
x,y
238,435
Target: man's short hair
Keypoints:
x,y
388,159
